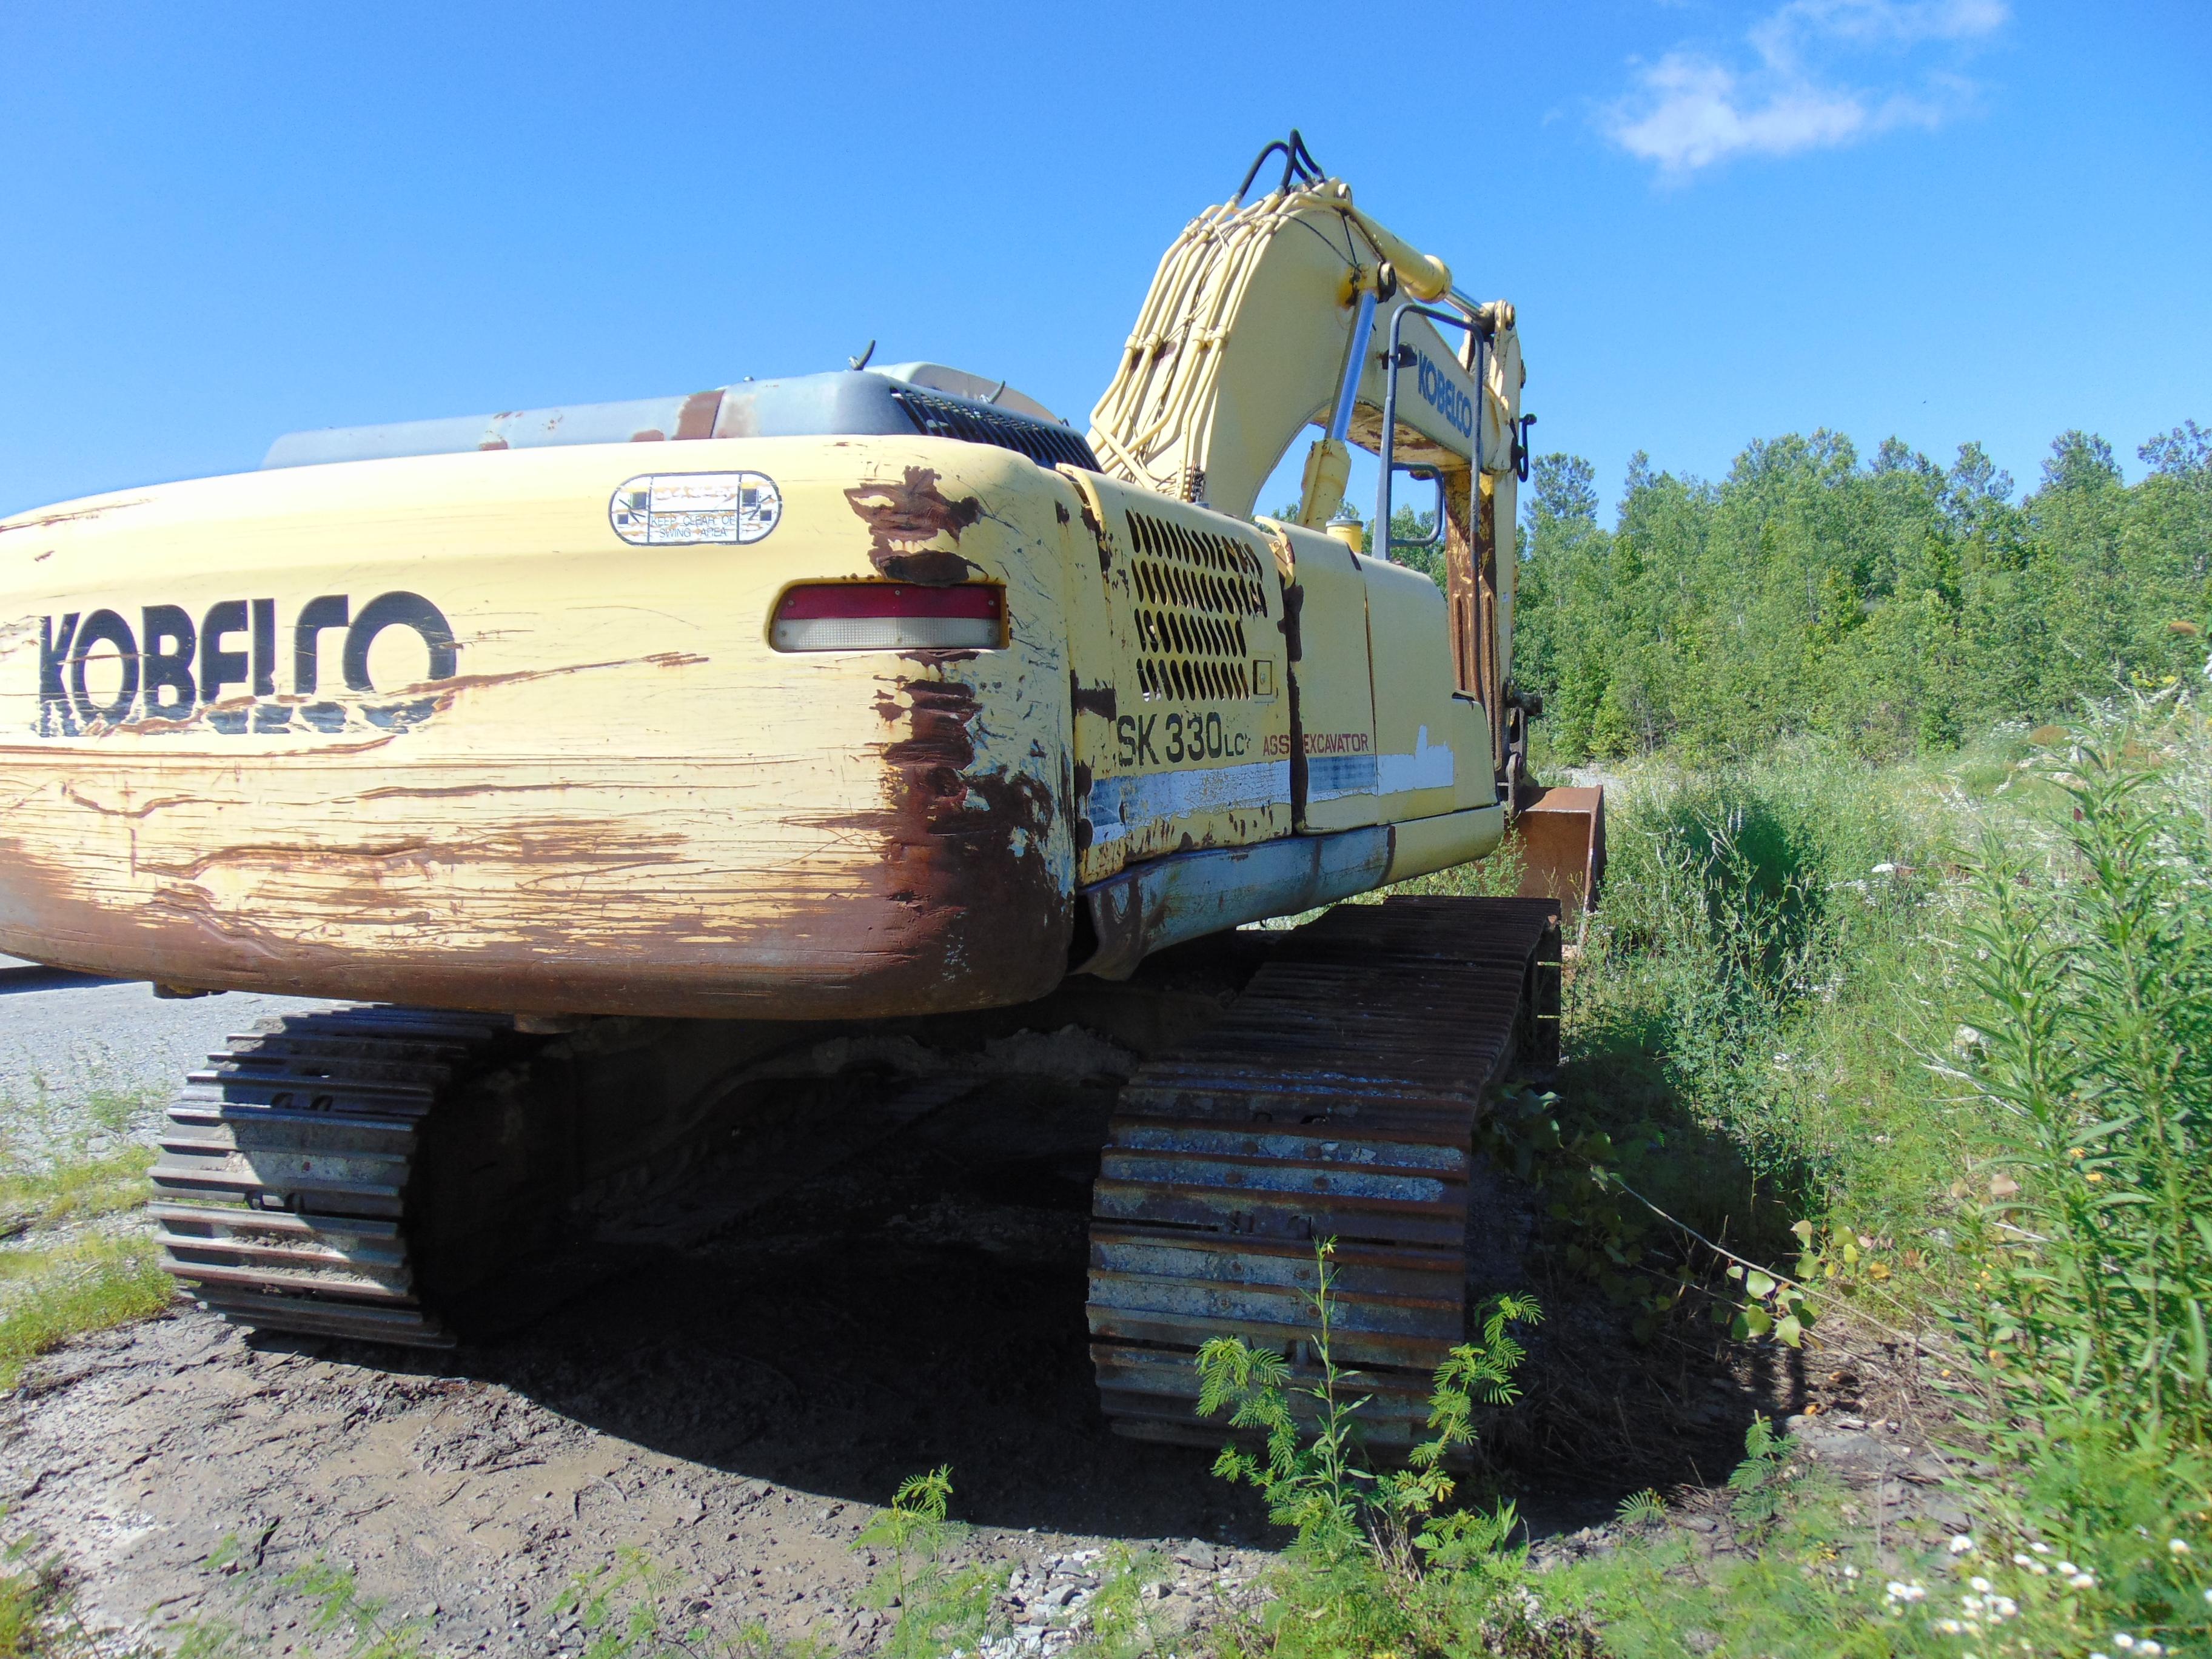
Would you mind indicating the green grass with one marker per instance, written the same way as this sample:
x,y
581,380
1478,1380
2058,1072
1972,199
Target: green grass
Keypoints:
x,y
71,1288
79,1190
73,1258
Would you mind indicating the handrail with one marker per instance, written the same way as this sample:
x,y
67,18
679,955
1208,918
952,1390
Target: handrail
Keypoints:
x,y
1436,537
1391,365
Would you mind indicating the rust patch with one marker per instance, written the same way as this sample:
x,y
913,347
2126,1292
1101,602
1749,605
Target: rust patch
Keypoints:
x,y
442,692
1060,510
696,418
70,793
938,659
83,512
363,879
155,723
652,434
446,689
1100,701
905,518
1078,819
1098,534
406,791
967,861
493,443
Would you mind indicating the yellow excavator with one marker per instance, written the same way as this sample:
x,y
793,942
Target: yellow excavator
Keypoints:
x,y
600,755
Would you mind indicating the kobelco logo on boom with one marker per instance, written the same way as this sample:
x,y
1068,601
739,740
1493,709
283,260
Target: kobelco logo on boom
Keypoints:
x,y
172,667
1446,397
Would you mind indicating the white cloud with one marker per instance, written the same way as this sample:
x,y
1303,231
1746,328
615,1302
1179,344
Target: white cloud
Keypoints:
x,y
1689,109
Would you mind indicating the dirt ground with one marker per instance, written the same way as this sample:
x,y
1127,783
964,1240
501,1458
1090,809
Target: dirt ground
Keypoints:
x,y
734,1381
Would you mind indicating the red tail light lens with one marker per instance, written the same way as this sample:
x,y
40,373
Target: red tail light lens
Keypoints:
x,y
890,617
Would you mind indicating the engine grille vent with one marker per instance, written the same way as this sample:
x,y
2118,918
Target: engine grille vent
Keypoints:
x,y
1195,592
1046,445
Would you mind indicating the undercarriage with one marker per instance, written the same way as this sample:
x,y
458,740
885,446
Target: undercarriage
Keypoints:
x,y
391,1175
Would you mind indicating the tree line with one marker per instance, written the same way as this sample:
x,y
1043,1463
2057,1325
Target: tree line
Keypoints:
x,y
1895,605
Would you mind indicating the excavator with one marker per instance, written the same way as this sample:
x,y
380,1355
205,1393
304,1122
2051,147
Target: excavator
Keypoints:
x,y
599,760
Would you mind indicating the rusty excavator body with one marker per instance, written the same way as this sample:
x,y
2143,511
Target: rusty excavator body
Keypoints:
x,y
612,760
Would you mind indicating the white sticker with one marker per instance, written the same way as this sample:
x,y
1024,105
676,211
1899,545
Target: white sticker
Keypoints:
x,y
674,509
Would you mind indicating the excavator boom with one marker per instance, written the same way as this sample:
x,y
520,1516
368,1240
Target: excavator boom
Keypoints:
x,y
1300,310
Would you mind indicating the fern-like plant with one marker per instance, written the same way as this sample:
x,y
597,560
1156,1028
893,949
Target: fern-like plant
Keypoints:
x,y
1758,1480
940,1607
1314,1474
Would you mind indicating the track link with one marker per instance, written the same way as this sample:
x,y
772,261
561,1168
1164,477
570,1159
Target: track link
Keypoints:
x,y
1337,1099
282,1190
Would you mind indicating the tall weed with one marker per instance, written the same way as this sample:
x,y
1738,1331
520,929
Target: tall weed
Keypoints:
x,y
1377,1565
2093,1060
938,1605
1734,1009
2087,1225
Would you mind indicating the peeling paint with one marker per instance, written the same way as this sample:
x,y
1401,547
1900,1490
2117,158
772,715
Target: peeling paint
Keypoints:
x,y
696,419
1099,700
906,520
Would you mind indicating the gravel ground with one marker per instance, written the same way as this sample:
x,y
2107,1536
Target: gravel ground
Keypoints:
x,y
82,1059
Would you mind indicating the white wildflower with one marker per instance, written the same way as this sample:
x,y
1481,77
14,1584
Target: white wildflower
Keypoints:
x,y
2179,1546
2067,1569
1962,1543
1981,1584
2088,1581
2123,1641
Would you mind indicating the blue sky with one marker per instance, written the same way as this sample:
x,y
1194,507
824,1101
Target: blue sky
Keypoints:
x,y
1945,218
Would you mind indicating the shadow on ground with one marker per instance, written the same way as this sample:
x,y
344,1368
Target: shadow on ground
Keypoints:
x,y
921,1303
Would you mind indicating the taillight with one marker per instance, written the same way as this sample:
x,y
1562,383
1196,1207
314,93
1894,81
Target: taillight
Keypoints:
x,y
890,617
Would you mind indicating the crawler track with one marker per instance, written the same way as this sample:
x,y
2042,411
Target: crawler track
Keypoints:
x,y
1338,1098
288,1176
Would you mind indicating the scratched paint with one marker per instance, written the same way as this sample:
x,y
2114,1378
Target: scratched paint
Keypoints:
x,y
619,800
